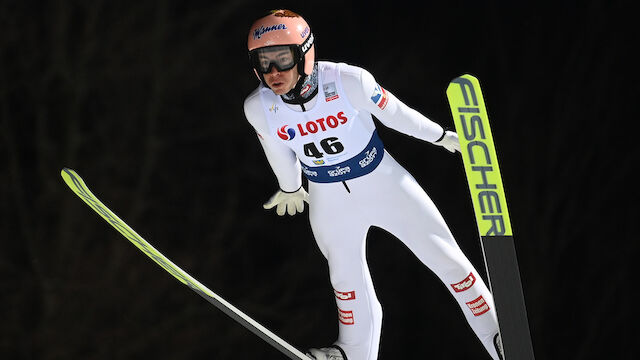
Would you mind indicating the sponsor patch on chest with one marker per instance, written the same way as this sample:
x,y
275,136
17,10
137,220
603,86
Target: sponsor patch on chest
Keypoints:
x,y
330,92
313,126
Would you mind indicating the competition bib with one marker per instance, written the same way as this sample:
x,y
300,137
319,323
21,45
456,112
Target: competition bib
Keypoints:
x,y
333,140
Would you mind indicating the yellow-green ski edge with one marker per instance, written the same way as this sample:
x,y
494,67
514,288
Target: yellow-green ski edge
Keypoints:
x,y
75,183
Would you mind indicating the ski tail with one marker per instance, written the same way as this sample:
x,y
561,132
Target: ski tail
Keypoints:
x,y
75,182
492,216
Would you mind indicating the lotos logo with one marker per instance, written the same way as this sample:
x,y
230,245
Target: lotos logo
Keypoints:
x,y
322,124
464,284
286,133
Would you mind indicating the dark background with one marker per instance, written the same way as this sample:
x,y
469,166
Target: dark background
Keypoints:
x,y
144,99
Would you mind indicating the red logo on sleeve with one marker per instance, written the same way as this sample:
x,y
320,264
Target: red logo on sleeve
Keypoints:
x,y
350,295
464,284
478,306
346,317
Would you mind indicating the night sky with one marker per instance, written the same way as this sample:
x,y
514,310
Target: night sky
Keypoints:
x,y
144,100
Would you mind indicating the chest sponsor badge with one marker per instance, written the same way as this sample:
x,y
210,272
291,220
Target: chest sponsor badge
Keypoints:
x,y
286,133
330,91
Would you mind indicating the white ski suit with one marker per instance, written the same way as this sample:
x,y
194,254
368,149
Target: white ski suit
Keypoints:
x,y
353,185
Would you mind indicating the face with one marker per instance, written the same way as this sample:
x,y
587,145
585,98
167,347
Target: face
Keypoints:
x,y
280,81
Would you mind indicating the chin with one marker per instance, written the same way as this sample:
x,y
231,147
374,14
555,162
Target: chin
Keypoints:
x,y
281,91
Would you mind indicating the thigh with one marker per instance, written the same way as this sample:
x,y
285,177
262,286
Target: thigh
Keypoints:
x,y
405,210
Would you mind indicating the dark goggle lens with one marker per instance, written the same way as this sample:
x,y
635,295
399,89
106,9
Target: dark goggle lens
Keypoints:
x,y
282,57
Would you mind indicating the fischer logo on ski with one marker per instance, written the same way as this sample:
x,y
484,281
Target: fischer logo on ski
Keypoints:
x,y
481,162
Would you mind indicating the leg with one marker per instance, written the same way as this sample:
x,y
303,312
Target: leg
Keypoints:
x,y
422,229
341,236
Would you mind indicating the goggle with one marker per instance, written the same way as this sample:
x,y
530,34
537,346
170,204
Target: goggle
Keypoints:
x,y
283,57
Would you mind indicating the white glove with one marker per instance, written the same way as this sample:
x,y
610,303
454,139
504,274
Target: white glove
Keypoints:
x,y
449,141
292,202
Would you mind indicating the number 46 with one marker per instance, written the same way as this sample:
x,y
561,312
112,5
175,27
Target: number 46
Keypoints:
x,y
330,145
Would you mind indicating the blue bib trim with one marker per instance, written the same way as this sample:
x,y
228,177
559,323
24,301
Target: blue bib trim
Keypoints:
x,y
363,163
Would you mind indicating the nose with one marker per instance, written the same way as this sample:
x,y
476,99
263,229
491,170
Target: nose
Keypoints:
x,y
274,70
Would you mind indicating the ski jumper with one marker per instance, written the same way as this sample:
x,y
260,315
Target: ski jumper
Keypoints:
x,y
355,184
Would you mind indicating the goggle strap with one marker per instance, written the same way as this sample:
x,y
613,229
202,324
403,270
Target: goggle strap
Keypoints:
x,y
306,45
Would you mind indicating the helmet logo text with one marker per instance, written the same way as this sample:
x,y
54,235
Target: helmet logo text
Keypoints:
x,y
257,33
306,45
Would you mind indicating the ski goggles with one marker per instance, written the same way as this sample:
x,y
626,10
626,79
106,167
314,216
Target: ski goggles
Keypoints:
x,y
282,57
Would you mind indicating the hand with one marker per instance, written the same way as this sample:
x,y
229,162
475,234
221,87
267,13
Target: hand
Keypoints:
x,y
292,202
449,141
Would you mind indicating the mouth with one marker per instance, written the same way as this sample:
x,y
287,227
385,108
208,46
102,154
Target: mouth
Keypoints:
x,y
277,84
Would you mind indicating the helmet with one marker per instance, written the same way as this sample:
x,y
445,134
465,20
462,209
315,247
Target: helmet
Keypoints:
x,y
282,27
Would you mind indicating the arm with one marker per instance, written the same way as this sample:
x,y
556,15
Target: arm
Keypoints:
x,y
283,161
364,93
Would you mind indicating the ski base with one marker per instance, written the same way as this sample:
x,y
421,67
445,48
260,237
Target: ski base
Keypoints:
x,y
502,265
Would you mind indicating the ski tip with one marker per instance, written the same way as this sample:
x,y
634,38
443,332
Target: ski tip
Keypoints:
x,y
67,174
466,76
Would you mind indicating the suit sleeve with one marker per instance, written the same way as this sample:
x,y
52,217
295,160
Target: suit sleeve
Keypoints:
x,y
282,159
364,93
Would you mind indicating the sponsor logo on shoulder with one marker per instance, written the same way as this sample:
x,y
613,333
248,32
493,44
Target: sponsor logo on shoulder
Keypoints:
x,y
379,97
